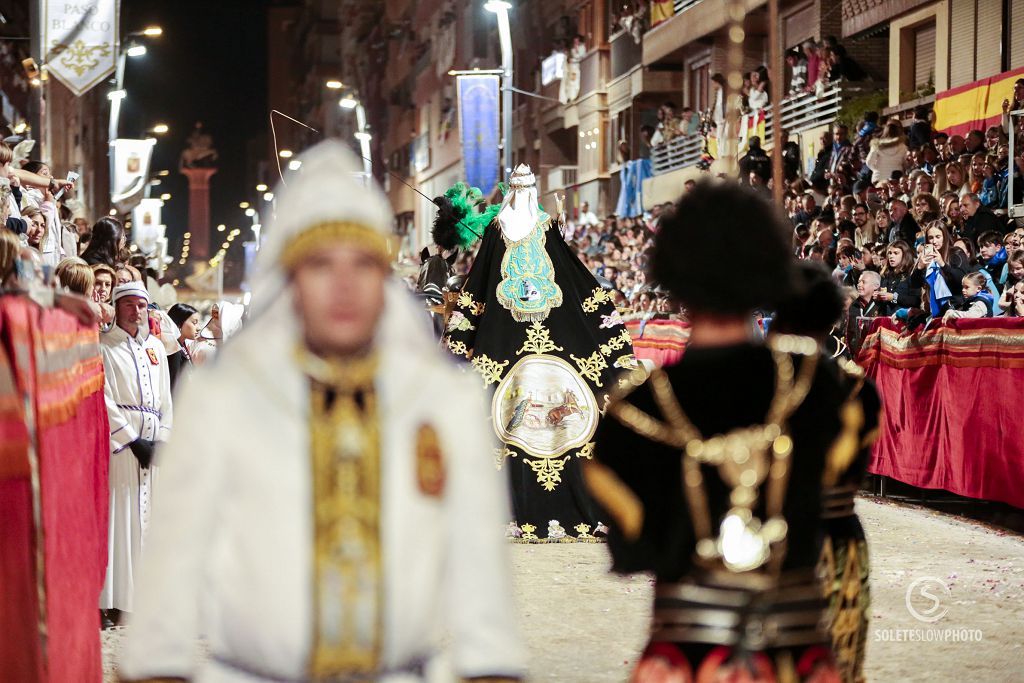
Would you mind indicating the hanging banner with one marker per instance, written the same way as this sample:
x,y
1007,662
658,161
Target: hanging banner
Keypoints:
x,y
131,172
147,230
80,41
478,128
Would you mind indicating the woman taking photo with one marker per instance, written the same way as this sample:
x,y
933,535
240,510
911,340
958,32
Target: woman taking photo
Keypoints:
x,y
187,319
106,244
897,290
940,270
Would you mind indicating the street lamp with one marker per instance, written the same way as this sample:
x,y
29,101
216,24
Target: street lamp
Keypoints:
x,y
348,102
286,154
135,50
153,31
262,187
334,84
501,8
160,129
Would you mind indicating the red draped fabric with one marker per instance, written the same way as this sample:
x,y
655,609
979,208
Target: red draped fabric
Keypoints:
x,y
951,396
51,388
660,341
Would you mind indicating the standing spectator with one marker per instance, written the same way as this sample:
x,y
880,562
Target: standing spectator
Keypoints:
x,y
977,219
106,243
36,222
813,57
790,157
797,72
821,161
867,231
138,396
887,153
76,276
187,320
920,129
587,217
843,159
1014,105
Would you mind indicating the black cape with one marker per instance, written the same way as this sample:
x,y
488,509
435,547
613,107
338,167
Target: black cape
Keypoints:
x,y
549,346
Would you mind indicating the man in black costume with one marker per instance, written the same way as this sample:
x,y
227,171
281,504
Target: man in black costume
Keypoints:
x,y
711,472
549,346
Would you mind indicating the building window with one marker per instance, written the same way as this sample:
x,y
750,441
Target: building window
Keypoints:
x,y
699,80
924,56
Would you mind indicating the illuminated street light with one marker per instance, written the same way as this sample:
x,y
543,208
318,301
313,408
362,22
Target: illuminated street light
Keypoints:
x,y
268,196
294,165
334,84
165,196
163,174
262,187
348,102
136,51
250,212
160,128
221,228
243,205
501,8
153,31
361,135
117,95
286,154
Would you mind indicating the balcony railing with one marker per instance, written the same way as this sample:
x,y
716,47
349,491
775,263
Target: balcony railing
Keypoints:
x,y
626,53
799,113
561,177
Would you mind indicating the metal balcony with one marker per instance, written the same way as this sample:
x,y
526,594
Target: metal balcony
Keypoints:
x,y
799,113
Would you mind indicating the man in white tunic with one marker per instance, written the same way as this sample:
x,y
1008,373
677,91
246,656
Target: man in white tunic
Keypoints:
x,y
138,397
328,504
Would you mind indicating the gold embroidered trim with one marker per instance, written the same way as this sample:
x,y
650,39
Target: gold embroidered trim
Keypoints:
x,y
587,451
502,454
313,238
490,370
466,301
598,297
348,575
846,446
538,340
459,348
548,471
591,366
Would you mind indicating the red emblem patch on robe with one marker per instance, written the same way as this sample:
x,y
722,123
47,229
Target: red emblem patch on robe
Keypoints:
x,y
153,358
430,473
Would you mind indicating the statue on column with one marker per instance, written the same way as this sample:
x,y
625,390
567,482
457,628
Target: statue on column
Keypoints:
x,y
199,152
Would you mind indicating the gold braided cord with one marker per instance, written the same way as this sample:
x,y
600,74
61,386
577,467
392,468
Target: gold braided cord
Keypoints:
x,y
312,239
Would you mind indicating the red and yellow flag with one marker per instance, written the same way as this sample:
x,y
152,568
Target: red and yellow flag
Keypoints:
x,y
974,106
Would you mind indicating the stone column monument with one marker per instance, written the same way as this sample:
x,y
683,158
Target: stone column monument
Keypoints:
x,y
198,163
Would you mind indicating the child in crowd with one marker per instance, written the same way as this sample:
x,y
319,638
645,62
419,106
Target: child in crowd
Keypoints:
x,y
1012,295
977,302
993,257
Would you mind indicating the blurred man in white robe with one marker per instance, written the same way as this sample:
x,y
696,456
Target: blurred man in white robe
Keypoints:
x,y
329,508
138,397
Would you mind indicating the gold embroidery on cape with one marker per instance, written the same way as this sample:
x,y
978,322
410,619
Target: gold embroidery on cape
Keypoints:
x,y
592,302
490,370
345,451
528,534
548,471
459,348
626,362
538,340
591,366
587,451
502,454
466,301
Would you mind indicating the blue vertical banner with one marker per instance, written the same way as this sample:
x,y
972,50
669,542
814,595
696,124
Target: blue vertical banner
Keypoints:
x,y
479,129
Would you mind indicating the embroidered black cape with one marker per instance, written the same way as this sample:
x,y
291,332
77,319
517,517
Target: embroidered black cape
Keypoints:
x,y
548,370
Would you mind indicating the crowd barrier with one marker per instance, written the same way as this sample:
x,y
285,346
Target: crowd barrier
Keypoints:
x,y
660,341
952,417
54,454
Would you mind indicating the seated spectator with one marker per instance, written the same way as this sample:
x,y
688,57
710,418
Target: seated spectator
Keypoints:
x,y
926,208
897,291
989,194
976,301
921,182
887,153
76,276
977,219
689,123
939,270
866,305
867,230
956,147
1011,302
993,257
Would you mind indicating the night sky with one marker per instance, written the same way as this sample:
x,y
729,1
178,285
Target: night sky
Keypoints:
x,y
209,66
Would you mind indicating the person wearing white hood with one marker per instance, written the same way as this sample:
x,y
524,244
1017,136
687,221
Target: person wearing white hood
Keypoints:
x,y
225,321
345,508
137,390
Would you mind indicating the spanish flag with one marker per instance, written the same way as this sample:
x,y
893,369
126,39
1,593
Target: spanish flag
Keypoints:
x,y
661,10
975,106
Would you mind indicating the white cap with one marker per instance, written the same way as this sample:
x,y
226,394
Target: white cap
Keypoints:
x,y
131,289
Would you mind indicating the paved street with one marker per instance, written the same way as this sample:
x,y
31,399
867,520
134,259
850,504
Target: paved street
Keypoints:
x,y
584,626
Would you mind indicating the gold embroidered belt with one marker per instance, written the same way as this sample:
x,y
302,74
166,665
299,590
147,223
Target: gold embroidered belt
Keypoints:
x,y
789,614
414,668
837,502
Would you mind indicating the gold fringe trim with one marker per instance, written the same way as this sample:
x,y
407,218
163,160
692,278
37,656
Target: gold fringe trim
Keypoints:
x,y
355,234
